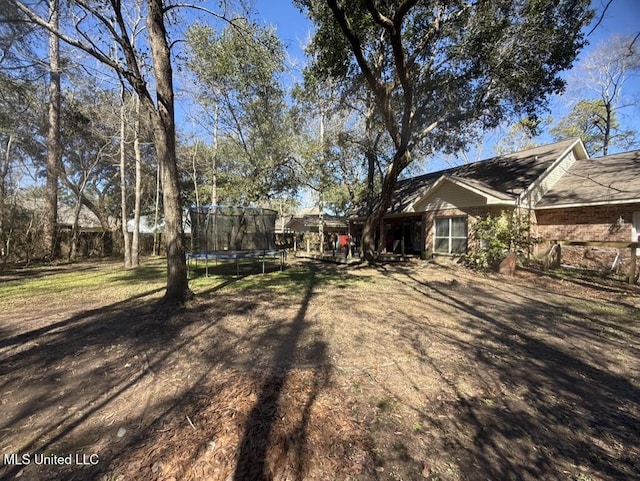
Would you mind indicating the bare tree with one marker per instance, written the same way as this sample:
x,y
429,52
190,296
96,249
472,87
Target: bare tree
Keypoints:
x,y
602,78
123,179
135,239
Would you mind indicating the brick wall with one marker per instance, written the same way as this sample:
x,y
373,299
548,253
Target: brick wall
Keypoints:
x,y
595,223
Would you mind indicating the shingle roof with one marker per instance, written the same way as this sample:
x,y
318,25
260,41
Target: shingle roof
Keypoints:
x,y
509,174
614,178
309,218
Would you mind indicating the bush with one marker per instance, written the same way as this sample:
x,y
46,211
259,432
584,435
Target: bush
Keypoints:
x,y
495,235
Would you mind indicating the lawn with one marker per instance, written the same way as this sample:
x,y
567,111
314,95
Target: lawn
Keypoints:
x,y
404,372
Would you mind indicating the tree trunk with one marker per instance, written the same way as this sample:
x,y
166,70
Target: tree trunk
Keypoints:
x,y
214,159
374,220
54,149
135,241
607,129
156,210
4,172
73,248
194,172
165,142
123,184
321,190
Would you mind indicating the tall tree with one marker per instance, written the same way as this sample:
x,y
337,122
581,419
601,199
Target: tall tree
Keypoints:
x,y
600,81
137,203
54,147
239,72
336,146
124,212
439,71
88,150
99,27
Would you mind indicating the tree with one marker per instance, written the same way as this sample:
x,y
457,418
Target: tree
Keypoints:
x,y
520,136
88,150
337,152
600,82
101,26
439,72
597,126
19,59
238,72
23,115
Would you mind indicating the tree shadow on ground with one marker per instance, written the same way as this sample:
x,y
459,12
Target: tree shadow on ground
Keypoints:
x,y
256,436
63,377
112,379
546,400
261,409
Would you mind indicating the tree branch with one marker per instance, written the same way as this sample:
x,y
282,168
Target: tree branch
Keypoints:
x,y
604,10
380,19
74,43
376,85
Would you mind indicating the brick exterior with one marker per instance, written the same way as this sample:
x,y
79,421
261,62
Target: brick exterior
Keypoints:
x,y
471,213
592,223
588,223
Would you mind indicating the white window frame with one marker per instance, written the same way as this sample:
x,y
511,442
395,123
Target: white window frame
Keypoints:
x,y
450,238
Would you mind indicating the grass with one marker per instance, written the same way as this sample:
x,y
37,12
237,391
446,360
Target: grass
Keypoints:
x,y
287,282
84,282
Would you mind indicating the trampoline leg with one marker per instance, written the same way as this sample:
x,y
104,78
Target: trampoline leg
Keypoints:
x,y
237,267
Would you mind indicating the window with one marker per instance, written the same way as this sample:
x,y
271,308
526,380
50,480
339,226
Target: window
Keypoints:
x,y
451,235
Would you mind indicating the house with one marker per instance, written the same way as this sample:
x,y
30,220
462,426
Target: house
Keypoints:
x,y
305,224
567,195
308,220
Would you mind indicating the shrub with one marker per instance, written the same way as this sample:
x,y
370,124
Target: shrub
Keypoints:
x,y
495,235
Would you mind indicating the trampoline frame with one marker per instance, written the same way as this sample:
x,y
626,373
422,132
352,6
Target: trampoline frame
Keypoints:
x,y
261,255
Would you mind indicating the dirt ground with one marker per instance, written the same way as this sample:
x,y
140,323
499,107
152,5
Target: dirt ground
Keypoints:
x,y
405,372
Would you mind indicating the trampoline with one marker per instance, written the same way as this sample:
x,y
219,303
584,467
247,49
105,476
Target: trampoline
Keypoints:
x,y
261,257
222,233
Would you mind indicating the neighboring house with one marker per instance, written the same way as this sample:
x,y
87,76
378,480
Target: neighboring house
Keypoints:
x,y
281,224
93,238
568,196
87,220
308,220
305,225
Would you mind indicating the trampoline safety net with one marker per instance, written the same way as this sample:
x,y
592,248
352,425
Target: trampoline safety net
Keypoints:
x,y
219,228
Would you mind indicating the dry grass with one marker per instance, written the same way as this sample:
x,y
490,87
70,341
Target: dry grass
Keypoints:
x,y
412,371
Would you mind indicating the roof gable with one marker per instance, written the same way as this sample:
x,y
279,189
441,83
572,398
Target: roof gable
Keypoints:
x,y
454,191
501,177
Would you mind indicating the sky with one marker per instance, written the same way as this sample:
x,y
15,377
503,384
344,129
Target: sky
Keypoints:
x,y
621,17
